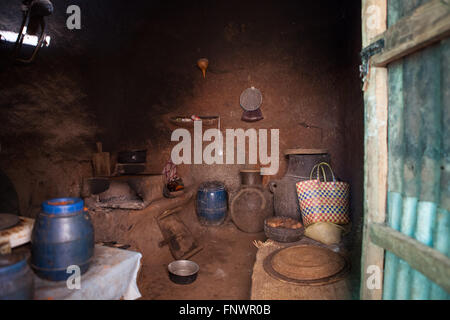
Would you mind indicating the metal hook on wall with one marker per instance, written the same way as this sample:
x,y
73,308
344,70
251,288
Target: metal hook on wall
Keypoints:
x,y
33,12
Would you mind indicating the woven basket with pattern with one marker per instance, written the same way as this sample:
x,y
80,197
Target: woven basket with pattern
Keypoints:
x,y
323,201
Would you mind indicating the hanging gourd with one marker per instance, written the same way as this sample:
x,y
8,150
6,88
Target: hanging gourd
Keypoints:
x,y
203,65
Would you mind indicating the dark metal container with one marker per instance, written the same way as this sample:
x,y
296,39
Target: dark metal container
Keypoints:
x,y
63,235
16,277
301,162
211,204
183,271
132,156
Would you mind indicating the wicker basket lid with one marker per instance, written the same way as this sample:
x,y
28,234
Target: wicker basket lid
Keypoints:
x,y
307,262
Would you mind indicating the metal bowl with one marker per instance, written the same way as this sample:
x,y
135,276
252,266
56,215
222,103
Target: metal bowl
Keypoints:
x,y
183,271
132,156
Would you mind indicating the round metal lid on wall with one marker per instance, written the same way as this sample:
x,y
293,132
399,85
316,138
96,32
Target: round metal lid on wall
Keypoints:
x,y
251,99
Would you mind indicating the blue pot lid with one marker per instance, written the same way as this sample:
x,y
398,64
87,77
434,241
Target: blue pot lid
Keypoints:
x,y
63,205
211,186
12,262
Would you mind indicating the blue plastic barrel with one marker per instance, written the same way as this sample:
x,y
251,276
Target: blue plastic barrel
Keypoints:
x,y
211,203
62,236
16,277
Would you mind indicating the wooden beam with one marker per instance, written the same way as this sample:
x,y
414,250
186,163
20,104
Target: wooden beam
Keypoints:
x,y
374,20
375,174
433,264
429,23
375,156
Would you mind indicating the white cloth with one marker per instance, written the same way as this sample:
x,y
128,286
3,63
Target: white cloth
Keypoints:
x,y
111,276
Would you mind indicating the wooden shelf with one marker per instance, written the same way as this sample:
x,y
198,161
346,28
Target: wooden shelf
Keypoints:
x,y
207,121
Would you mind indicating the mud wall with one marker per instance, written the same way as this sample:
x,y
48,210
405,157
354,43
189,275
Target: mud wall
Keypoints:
x,y
131,67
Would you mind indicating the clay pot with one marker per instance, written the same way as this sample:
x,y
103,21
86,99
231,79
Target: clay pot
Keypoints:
x,y
252,204
301,162
251,178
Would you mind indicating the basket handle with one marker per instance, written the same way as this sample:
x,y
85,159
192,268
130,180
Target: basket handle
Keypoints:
x,y
323,172
321,166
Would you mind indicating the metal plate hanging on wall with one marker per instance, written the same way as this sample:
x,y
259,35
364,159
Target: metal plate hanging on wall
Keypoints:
x,y
250,101
8,220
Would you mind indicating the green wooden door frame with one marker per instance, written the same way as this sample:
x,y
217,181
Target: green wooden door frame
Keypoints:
x,y
428,24
428,261
374,24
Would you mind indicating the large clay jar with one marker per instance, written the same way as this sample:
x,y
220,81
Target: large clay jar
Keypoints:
x,y
252,204
300,164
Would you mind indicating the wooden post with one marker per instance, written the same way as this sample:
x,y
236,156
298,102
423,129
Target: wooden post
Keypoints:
x,y
374,13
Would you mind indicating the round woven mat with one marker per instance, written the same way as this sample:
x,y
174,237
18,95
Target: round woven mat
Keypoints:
x,y
307,265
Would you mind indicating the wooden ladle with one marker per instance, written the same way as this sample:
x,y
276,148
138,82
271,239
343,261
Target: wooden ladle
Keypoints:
x,y
203,65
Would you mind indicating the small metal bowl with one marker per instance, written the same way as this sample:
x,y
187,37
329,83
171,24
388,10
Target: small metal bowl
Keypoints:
x,y
183,271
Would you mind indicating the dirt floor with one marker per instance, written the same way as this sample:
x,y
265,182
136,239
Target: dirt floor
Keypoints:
x,y
226,264
226,260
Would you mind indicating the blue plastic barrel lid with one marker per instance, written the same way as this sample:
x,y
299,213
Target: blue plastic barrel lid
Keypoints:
x,y
212,186
12,262
63,205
